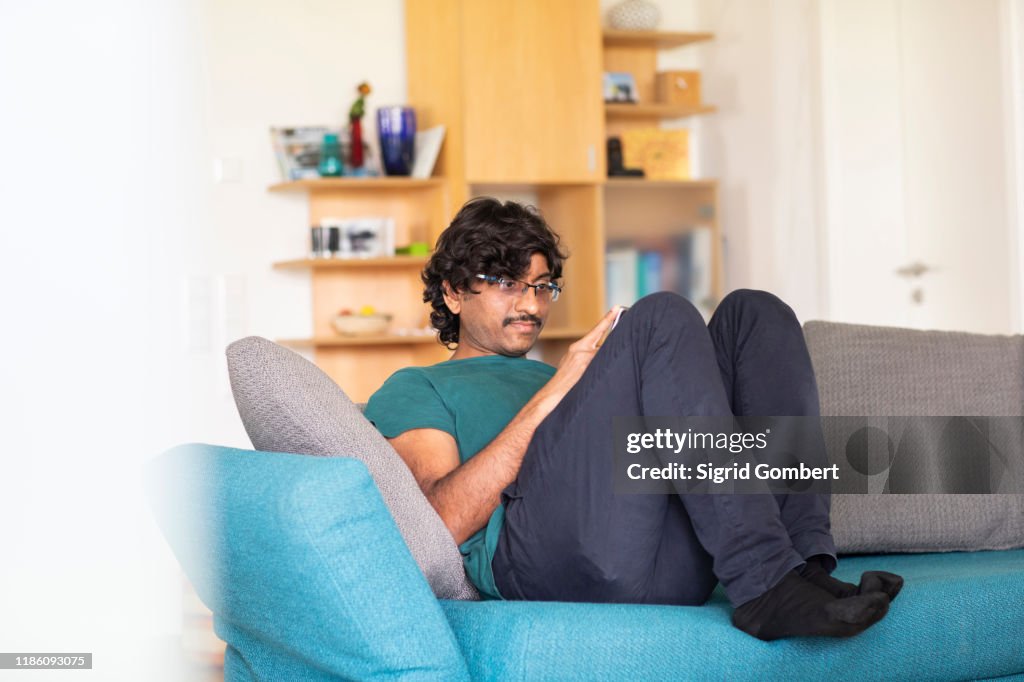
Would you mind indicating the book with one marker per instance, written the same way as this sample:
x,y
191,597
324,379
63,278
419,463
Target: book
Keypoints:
x,y
701,293
682,283
650,270
620,276
693,270
428,147
679,263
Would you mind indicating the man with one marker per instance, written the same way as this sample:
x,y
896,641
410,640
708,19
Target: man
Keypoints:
x,y
516,455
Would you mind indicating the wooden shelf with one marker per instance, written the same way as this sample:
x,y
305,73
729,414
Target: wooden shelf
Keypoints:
x,y
512,185
555,333
352,263
659,40
641,183
366,340
334,184
615,110
398,340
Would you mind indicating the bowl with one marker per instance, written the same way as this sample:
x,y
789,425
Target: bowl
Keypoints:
x,y
358,325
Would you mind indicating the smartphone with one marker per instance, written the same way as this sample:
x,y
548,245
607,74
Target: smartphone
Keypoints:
x,y
615,322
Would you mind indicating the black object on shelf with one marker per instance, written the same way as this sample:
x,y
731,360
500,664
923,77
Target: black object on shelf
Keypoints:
x,y
319,246
334,240
615,162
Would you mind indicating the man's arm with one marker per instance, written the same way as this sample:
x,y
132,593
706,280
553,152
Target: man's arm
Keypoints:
x,y
466,495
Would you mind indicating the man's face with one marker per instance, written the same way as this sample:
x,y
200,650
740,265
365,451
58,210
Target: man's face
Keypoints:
x,y
492,322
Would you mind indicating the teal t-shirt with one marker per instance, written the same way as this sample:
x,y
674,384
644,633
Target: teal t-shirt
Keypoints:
x,y
473,400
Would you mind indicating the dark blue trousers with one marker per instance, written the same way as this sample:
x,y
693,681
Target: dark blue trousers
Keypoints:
x,y
568,537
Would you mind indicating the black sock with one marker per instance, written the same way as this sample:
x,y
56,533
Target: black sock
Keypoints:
x,y
796,607
814,571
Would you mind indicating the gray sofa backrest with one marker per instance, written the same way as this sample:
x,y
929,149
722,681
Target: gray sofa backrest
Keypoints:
x,y
883,371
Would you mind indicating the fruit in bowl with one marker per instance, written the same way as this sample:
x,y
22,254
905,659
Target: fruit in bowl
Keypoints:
x,y
365,321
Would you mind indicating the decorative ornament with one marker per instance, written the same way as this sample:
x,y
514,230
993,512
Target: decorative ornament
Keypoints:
x,y
634,15
355,118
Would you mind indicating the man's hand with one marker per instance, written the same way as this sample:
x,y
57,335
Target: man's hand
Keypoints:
x,y
576,360
465,495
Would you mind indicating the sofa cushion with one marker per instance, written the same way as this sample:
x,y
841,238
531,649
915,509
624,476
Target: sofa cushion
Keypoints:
x,y
302,566
956,619
884,371
288,404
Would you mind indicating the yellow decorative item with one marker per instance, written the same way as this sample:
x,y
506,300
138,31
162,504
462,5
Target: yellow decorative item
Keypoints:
x,y
663,154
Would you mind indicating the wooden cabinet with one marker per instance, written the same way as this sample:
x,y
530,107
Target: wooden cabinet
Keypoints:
x,y
518,87
532,91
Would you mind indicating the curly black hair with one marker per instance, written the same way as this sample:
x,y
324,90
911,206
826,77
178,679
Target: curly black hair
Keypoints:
x,y
486,237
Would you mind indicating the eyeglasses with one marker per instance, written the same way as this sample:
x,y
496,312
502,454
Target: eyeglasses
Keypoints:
x,y
545,291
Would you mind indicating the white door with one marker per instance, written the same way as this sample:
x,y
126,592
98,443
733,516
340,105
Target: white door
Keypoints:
x,y
918,151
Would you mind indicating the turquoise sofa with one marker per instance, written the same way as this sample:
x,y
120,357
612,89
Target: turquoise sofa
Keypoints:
x,y
309,579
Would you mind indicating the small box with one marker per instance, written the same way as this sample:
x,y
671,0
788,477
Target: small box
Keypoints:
x,y
678,87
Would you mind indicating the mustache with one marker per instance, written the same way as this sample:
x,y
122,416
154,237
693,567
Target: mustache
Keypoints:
x,y
526,318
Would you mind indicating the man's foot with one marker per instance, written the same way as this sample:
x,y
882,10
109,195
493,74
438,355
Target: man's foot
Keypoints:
x,y
796,607
815,571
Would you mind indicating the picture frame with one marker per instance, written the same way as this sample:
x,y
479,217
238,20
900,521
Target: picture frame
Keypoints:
x,y
363,237
620,88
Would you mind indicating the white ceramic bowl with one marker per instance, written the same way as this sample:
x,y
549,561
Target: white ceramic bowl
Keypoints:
x,y
356,325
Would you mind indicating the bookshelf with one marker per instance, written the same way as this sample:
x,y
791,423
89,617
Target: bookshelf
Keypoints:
x,y
659,221
420,208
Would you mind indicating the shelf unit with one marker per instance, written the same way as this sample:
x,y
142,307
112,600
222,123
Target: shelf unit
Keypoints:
x,y
548,141
496,144
359,364
646,211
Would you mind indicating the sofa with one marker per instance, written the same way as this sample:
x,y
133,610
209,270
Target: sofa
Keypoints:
x,y
319,562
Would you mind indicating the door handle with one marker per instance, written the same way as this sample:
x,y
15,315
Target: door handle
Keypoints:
x,y
914,270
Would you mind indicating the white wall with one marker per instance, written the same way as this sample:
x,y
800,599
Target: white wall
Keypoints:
x,y
115,112
763,144
1012,22
100,118
272,63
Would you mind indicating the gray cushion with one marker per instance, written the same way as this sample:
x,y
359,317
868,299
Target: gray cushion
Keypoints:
x,y
884,371
289,405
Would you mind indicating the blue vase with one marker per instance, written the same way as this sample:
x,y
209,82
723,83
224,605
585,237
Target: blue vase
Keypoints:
x,y
396,127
